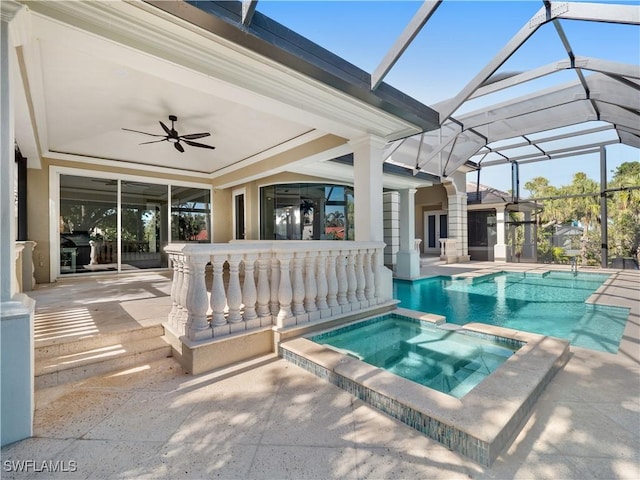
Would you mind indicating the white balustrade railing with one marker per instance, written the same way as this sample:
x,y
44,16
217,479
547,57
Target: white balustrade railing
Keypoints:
x,y
254,284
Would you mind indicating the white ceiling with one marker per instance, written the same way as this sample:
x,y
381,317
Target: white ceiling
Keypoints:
x,y
88,100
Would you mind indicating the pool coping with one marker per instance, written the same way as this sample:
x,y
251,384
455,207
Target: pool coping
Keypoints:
x,y
480,424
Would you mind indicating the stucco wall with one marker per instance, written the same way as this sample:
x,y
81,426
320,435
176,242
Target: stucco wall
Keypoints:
x,y
38,220
222,215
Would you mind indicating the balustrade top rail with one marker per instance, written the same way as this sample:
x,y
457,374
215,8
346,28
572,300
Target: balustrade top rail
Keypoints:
x,y
258,246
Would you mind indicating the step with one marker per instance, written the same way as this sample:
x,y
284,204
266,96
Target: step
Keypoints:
x,y
67,368
58,348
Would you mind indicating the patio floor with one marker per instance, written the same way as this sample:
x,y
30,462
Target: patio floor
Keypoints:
x,y
270,419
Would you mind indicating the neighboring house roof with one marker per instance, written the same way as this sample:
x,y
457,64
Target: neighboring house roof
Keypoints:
x,y
485,194
568,230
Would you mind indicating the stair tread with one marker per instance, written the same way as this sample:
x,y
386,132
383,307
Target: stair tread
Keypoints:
x,y
78,345
105,353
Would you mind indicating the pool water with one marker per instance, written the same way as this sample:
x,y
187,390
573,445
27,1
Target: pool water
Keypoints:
x,y
550,304
447,361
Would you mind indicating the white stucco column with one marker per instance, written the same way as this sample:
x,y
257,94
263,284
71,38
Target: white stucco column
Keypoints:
x,y
367,188
367,192
500,249
456,187
16,310
408,265
7,157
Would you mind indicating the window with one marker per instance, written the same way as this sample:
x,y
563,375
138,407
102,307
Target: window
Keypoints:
x,y
190,215
307,211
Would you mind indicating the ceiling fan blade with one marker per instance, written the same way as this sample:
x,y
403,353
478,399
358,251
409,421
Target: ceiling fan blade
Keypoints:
x,y
196,144
179,147
165,128
193,136
153,141
145,133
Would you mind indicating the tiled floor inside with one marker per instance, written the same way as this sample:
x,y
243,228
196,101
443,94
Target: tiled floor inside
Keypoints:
x,y
268,419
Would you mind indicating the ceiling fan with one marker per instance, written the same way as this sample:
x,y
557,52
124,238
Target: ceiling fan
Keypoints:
x,y
173,137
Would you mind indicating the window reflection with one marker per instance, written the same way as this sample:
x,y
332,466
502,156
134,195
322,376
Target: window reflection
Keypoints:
x,y
190,215
88,224
307,211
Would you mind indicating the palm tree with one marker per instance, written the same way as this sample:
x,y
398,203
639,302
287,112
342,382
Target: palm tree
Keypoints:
x,y
586,209
335,219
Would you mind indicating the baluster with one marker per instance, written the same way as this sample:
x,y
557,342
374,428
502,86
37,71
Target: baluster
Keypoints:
x,y
332,283
351,277
249,292
297,284
174,289
264,294
360,280
197,302
275,287
377,261
341,273
218,295
184,313
284,292
234,293
310,286
323,286
369,289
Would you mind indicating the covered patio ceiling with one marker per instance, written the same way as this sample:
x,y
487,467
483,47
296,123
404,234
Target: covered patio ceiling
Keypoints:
x,y
601,107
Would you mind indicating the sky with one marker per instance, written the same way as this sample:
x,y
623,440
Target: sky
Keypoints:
x,y
456,43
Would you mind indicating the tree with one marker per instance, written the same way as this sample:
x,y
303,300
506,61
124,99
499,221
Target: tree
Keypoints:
x,y
586,208
624,232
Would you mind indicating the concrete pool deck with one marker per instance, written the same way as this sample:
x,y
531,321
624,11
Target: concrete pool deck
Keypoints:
x,y
269,419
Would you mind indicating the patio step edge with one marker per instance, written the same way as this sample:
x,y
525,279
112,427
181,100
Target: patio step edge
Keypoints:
x,y
91,342
54,371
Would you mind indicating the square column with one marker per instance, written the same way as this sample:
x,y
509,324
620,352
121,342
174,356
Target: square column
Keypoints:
x,y
367,188
367,192
16,310
458,226
408,257
7,159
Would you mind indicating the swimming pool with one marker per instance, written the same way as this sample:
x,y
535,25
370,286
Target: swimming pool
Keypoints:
x,y
447,361
552,304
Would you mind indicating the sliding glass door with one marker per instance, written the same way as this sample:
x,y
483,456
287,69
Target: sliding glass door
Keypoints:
x,y
88,224
143,225
108,224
